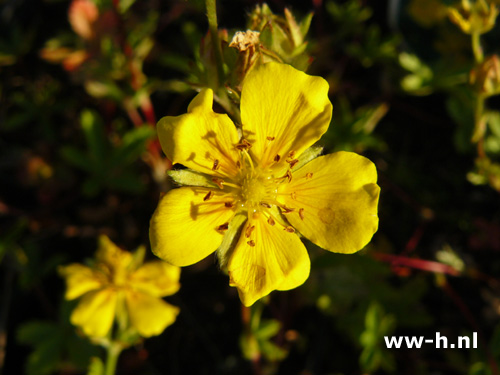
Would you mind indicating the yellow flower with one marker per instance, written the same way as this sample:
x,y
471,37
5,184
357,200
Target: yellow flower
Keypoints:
x,y
118,284
256,191
477,17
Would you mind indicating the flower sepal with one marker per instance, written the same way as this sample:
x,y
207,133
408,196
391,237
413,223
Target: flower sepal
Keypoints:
x,y
188,177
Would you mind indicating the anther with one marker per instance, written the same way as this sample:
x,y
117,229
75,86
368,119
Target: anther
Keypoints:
x,y
292,162
216,165
244,145
287,210
301,213
209,195
309,175
277,158
223,227
289,229
249,230
291,154
270,221
288,175
264,204
219,182
294,195
238,164
270,138
251,243
228,204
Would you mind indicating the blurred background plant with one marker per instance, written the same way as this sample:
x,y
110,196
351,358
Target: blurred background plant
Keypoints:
x,y
414,84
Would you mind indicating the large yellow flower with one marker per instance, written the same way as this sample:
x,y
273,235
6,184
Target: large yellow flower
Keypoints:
x,y
119,283
259,186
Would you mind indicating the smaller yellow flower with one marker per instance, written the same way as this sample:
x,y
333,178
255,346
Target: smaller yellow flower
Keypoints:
x,y
118,283
474,18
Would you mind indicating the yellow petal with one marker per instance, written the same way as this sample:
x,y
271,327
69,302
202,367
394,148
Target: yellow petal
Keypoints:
x,y
156,278
270,258
183,229
149,315
80,279
337,197
95,312
111,255
201,139
280,102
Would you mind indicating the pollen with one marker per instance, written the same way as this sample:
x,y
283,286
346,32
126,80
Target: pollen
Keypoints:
x,y
270,221
289,229
270,138
251,243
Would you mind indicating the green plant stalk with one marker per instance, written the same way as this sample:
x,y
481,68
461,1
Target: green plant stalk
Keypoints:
x,y
114,350
476,48
220,91
478,133
214,32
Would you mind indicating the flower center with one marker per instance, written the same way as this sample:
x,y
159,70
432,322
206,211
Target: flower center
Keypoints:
x,y
256,189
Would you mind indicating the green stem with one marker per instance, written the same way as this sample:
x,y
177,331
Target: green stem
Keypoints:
x,y
476,48
114,350
214,31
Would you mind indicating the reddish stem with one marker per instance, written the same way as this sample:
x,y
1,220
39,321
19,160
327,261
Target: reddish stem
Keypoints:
x,y
425,265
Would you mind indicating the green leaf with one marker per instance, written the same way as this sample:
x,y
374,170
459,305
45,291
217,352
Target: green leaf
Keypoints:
x,y
272,351
96,367
94,134
76,158
268,329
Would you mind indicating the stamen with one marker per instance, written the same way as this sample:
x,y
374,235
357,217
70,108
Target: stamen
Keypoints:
x,y
264,204
291,154
209,195
270,138
277,158
244,145
219,182
309,175
289,229
238,164
216,165
248,158
223,227
301,213
288,175
270,221
249,230
251,243
228,204
294,195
